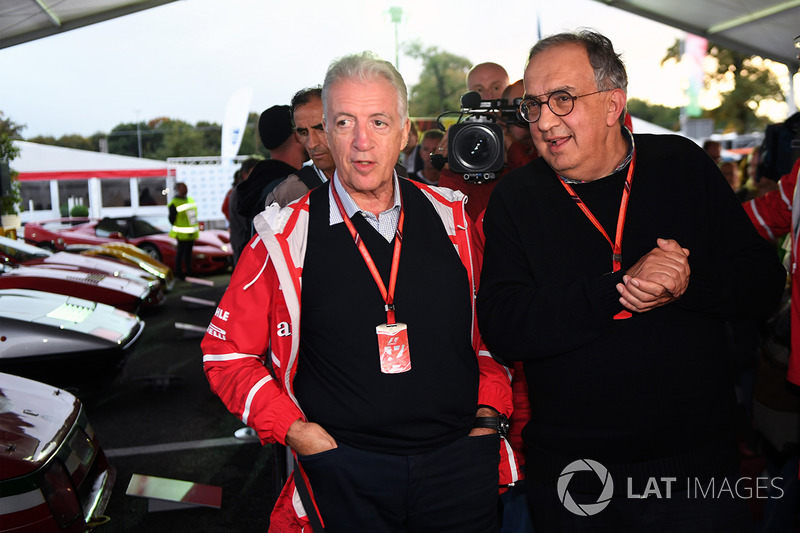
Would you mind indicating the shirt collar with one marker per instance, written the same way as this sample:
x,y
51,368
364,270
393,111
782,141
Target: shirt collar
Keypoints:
x,y
350,206
628,136
320,173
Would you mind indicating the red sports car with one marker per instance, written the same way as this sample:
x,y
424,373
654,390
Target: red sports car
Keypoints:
x,y
17,252
211,252
54,476
125,294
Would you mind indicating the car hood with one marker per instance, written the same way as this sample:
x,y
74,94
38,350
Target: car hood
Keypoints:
x,y
110,268
68,313
34,419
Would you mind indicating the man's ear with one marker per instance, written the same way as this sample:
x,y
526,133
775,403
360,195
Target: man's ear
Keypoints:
x,y
616,106
406,129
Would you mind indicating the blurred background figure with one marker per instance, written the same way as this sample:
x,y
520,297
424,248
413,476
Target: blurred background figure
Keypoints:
x,y
427,146
185,228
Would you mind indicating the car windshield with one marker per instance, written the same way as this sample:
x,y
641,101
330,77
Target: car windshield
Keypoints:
x,y
20,251
142,228
162,223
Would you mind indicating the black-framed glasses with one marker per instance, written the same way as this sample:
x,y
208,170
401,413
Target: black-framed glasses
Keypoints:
x,y
561,103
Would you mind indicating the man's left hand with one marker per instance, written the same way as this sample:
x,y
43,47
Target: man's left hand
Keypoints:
x,y
660,277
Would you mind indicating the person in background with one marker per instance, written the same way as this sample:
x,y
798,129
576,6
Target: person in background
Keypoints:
x,y
713,149
409,157
306,109
487,79
185,228
286,156
238,224
428,174
226,202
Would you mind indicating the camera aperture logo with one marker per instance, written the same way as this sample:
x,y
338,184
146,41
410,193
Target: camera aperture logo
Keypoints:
x,y
586,509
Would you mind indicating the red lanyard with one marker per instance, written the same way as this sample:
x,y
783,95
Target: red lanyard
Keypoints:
x,y
388,296
616,246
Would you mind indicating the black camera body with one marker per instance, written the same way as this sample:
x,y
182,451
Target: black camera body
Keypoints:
x,y
475,144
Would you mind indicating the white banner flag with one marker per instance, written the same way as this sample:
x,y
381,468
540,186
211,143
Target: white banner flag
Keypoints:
x,y
234,124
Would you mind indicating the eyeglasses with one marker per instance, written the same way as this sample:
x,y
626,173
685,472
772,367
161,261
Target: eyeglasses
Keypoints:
x,y
561,103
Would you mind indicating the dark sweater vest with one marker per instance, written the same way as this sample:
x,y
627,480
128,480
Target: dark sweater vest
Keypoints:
x,y
339,383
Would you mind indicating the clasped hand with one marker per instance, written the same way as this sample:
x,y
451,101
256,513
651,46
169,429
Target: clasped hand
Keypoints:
x,y
659,277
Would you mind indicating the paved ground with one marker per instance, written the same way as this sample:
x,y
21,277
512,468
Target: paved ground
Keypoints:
x,y
159,418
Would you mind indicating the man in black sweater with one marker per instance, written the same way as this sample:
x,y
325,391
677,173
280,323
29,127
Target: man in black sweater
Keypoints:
x,y
287,154
611,264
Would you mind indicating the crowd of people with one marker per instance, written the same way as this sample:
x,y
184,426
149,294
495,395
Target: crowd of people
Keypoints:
x,y
551,350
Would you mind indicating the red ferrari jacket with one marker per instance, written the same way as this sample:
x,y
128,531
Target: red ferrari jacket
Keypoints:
x,y
774,215
260,315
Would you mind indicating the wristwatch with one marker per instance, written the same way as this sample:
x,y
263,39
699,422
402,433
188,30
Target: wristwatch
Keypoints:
x,y
499,423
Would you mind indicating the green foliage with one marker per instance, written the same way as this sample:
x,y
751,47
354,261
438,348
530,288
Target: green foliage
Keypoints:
x,y
666,117
79,211
441,82
10,203
161,137
250,143
752,84
74,140
9,131
124,139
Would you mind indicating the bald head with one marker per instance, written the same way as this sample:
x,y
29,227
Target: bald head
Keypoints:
x,y
488,79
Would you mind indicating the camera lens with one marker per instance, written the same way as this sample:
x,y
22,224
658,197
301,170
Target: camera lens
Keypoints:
x,y
475,148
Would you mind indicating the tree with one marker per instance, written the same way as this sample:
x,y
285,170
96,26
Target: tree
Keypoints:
x,y
181,139
752,83
124,139
211,133
68,141
251,144
441,83
666,117
9,131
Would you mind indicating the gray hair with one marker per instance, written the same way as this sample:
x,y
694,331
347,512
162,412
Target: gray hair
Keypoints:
x,y
609,71
365,66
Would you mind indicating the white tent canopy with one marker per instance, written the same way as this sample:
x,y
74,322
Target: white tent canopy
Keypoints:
x,y
44,162
761,27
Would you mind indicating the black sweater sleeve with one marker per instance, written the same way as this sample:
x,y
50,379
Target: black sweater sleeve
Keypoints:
x,y
738,274
522,318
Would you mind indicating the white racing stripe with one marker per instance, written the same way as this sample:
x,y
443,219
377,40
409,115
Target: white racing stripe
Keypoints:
x,y
176,446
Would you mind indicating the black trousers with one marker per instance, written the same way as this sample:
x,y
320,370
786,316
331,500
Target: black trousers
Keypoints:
x,y
451,489
183,259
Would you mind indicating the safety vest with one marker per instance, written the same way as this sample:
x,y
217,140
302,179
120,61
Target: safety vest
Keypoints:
x,y
185,227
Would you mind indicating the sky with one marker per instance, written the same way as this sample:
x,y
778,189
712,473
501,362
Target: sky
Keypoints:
x,y
185,59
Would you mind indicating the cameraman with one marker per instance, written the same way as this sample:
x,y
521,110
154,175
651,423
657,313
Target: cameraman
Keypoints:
x,y
518,152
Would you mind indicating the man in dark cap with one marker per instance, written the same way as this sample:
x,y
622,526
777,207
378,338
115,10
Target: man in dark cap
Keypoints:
x,y
286,156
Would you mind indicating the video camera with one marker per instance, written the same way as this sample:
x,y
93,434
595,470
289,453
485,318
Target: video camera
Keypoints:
x,y
475,143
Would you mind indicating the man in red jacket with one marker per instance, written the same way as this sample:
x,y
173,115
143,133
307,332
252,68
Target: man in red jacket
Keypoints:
x,y
380,384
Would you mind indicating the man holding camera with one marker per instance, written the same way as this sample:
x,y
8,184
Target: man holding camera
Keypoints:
x,y
586,279
379,383
490,81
